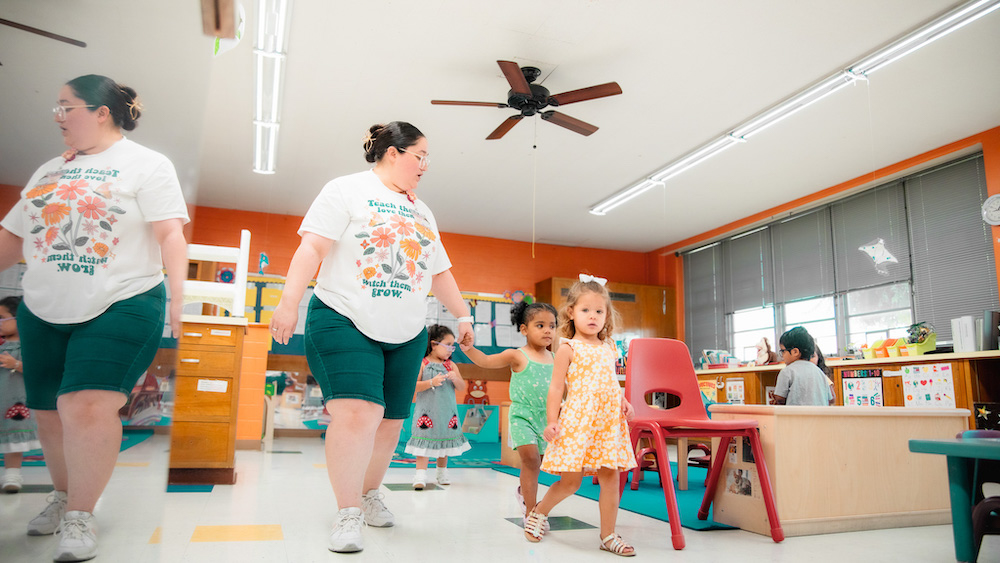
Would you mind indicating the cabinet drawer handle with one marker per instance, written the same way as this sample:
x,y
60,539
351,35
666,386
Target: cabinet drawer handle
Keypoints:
x,y
190,360
194,334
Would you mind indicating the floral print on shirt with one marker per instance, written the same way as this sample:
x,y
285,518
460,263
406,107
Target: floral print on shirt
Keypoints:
x,y
395,248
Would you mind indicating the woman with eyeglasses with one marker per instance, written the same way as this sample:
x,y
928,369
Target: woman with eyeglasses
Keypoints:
x,y
95,227
437,431
379,253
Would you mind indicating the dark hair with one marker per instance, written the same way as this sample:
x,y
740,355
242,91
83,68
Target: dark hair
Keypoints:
x,y
821,361
434,334
399,134
522,312
11,303
120,100
799,338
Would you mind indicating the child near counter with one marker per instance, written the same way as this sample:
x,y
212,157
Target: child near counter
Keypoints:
x,y
800,382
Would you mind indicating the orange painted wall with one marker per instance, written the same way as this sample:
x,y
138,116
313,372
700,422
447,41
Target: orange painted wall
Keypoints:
x,y
250,410
480,264
8,197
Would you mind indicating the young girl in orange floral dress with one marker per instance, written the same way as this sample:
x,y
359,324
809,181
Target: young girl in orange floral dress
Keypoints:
x,y
589,434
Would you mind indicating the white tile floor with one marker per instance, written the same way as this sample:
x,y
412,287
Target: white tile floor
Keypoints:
x,y
463,522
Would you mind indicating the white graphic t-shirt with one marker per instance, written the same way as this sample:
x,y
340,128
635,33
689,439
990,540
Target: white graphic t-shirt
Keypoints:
x,y
85,223
378,272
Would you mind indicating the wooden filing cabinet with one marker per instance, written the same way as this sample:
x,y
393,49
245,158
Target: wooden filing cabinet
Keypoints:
x,y
203,436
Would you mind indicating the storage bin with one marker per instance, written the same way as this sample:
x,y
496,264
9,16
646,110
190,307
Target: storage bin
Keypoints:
x,y
916,349
895,350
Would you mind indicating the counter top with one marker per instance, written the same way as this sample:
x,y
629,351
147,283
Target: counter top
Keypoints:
x,y
788,410
209,319
983,355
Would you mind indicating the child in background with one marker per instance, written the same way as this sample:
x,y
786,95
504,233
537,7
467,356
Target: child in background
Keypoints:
x,y
18,431
437,432
590,433
800,382
820,360
530,376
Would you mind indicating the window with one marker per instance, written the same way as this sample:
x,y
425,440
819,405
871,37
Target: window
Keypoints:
x,y
818,317
878,313
749,327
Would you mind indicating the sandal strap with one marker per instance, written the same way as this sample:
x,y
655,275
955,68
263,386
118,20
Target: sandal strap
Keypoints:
x,y
535,524
615,543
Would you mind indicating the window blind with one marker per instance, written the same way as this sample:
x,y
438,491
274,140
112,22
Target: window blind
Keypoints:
x,y
953,264
871,242
704,313
748,271
803,257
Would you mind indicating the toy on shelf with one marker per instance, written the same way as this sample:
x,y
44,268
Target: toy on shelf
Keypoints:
x,y
921,339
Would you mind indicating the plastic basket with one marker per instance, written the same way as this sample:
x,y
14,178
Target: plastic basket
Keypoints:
x,y
916,349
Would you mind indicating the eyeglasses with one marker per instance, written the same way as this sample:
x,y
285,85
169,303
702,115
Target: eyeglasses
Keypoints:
x,y
423,158
8,319
448,347
60,111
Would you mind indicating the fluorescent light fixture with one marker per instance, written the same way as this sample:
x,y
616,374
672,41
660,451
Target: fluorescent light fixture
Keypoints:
x,y
269,59
924,35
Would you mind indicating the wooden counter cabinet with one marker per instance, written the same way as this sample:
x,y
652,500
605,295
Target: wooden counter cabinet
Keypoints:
x,y
203,436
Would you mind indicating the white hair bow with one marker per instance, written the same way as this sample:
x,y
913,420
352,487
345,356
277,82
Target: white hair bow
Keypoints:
x,y
586,278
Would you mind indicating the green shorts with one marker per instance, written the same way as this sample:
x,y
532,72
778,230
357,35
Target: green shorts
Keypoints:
x,y
349,365
108,352
526,426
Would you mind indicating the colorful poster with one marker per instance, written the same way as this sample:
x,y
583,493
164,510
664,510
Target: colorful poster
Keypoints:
x,y
863,392
709,391
735,391
928,385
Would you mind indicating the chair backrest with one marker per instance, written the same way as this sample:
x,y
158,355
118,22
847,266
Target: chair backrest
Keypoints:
x,y
979,434
662,365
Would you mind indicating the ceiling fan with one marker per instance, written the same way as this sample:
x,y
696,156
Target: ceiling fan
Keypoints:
x,y
42,32
529,99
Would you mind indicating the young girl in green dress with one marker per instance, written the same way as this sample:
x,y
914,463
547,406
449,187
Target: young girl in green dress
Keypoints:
x,y
18,431
530,375
437,432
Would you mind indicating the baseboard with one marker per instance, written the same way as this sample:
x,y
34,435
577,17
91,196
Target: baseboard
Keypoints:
x,y
297,433
248,445
856,523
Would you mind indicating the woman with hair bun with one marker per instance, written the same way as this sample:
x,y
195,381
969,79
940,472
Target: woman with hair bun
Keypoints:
x,y
95,227
379,253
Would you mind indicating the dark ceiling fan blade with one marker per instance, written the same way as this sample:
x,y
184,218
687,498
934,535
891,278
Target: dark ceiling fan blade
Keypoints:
x,y
583,94
507,125
42,32
482,104
571,123
515,77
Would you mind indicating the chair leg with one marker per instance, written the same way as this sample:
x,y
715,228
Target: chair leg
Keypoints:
x,y
777,534
713,476
667,482
682,463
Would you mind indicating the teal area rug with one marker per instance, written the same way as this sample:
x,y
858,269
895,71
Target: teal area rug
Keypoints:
x,y
130,437
648,500
482,454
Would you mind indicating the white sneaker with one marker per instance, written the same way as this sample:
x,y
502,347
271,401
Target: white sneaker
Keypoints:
x,y
376,514
47,521
12,482
520,501
442,476
420,480
78,537
346,534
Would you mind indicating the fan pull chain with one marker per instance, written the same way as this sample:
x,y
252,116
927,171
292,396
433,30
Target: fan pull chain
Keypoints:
x,y
534,186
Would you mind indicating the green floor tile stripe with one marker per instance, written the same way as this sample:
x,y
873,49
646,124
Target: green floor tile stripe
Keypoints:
x,y
558,523
409,487
648,500
25,489
130,437
190,488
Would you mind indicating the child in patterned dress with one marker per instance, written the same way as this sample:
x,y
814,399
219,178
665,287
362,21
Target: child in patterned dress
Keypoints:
x,y
18,431
589,434
437,432
530,376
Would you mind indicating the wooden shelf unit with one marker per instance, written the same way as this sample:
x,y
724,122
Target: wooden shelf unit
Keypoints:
x,y
203,436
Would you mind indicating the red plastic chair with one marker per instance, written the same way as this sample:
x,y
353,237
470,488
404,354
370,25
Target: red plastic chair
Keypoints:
x,y
663,365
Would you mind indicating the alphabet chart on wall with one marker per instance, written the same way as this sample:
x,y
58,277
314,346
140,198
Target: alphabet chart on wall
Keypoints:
x,y
928,385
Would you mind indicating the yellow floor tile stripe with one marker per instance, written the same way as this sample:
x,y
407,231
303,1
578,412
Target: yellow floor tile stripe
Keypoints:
x,y
237,533
319,465
157,535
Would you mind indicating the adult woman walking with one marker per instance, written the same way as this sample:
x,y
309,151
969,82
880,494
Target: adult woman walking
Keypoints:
x,y
379,253
95,228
